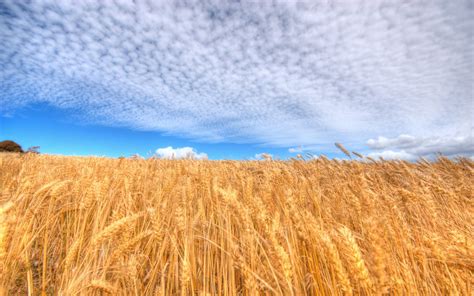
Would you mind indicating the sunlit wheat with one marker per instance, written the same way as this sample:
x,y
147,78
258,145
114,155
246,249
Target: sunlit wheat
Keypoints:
x,y
101,226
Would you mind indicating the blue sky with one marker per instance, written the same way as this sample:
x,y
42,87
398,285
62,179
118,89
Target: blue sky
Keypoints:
x,y
58,131
232,79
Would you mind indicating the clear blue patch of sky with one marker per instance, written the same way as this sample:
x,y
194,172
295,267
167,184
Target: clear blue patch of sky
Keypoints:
x,y
57,131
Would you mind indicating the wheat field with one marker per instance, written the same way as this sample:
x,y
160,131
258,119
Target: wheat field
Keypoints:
x,y
102,226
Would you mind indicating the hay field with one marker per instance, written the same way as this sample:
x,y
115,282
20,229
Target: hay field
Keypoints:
x,y
98,226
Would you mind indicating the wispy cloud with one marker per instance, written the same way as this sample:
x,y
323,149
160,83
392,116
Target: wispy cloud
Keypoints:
x,y
281,74
179,153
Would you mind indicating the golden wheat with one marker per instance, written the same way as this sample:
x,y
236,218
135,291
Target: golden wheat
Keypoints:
x,y
95,226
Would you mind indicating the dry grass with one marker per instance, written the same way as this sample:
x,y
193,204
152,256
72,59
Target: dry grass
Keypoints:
x,y
97,226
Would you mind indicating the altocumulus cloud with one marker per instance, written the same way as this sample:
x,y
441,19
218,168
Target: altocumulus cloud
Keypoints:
x,y
179,153
289,73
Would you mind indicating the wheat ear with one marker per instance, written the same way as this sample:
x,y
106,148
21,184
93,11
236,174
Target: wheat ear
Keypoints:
x,y
114,228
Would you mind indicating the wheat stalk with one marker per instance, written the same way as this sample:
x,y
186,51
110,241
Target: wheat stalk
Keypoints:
x,y
336,264
4,232
354,256
109,231
103,286
343,149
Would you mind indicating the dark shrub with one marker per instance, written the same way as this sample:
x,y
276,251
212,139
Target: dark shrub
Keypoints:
x,y
10,146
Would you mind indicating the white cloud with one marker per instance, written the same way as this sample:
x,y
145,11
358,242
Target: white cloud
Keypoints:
x,y
410,147
179,153
389,155
402,141
298,149
283,74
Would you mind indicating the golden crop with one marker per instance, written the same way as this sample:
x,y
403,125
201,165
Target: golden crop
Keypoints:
x,y
98,226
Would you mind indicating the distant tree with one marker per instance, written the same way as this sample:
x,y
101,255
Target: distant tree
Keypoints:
x,y
33,149
10,146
